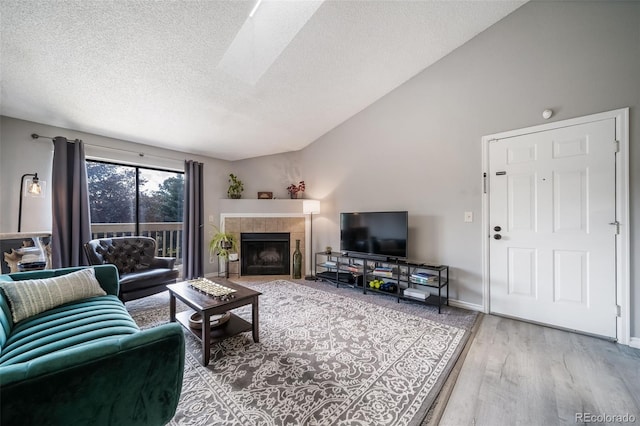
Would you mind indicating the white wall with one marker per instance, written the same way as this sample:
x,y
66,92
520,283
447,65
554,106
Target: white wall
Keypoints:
x,y
419,147
21,154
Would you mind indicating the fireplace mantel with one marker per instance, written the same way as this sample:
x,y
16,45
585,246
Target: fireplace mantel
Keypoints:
x,y
261,207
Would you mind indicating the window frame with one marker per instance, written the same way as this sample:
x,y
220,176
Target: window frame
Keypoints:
x,y
137,168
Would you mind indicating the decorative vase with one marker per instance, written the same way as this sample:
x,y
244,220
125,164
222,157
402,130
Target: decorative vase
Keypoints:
x,y
297,261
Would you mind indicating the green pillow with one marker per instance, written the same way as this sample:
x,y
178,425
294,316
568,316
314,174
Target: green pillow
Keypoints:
x,y
30,297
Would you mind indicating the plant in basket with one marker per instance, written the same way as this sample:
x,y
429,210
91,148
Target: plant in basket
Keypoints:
x,y
222,243
235,187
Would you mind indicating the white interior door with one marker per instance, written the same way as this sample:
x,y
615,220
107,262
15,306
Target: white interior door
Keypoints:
x,y
551,204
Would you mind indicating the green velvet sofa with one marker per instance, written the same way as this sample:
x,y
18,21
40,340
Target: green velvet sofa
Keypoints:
x,y
86,362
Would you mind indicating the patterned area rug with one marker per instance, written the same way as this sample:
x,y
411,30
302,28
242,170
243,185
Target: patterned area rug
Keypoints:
x,y
323,359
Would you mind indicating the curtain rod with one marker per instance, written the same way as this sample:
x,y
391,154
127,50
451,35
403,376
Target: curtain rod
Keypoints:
x,y
37,136
140,154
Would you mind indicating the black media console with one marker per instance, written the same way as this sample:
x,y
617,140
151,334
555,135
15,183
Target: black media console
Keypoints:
x,y
407,280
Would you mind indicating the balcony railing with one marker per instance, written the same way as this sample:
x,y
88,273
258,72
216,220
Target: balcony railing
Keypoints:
x,y
168,235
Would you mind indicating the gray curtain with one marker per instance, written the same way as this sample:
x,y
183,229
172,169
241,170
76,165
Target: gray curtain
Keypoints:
x,y
193,232
71,226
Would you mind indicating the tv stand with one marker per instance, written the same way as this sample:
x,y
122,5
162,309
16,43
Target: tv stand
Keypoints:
x,y
403,279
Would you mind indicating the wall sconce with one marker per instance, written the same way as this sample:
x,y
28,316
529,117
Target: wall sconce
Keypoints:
x,y
33,189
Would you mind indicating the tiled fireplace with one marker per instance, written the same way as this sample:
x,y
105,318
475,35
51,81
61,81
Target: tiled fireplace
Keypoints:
x,y
265,253
262,259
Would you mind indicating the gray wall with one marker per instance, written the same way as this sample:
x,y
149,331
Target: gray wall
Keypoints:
x,y
20,154
419,149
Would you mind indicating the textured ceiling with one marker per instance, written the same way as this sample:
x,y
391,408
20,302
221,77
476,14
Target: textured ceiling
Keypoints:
x,y
202,77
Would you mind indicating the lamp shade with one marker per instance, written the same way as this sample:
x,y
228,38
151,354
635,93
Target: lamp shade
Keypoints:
x,y
310,206
34,187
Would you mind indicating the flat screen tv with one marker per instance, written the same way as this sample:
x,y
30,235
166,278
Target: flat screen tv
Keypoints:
x,y
376,234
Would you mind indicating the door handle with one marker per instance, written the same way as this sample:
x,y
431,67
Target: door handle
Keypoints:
x,y
497,236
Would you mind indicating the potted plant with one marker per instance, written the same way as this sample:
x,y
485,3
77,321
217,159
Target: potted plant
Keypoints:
x,y
223,243
235,187
295,189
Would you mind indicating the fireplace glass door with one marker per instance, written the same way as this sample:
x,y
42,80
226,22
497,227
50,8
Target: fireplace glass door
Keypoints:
x,y
265,253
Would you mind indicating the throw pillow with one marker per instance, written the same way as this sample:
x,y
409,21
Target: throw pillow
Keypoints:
x,y
30,297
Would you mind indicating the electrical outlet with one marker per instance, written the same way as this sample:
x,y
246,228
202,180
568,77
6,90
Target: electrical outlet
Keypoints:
x,y
468,216
210,218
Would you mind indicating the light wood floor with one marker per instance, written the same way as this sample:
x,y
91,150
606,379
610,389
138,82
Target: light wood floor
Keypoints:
x,y
516,373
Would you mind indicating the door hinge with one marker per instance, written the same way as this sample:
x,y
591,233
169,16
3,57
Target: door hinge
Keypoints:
x,y
484,183
618,310
617,146
617,225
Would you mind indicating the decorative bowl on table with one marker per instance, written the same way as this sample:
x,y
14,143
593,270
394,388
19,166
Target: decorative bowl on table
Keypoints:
x,y
195,320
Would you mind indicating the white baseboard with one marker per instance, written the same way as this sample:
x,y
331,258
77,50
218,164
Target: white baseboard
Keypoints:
x,y
634,342
465,305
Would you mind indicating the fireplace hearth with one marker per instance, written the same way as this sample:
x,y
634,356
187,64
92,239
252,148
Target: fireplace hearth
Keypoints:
x,y
265,253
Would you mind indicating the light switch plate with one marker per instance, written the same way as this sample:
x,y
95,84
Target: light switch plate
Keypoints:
x,y
468,216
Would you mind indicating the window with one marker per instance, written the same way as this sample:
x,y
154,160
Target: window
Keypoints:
x,y
130,200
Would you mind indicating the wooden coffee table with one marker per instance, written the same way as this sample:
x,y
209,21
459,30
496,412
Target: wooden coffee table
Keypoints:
x,y
206,306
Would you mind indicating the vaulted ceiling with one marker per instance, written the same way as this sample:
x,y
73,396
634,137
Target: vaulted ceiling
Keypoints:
x,y
204,77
